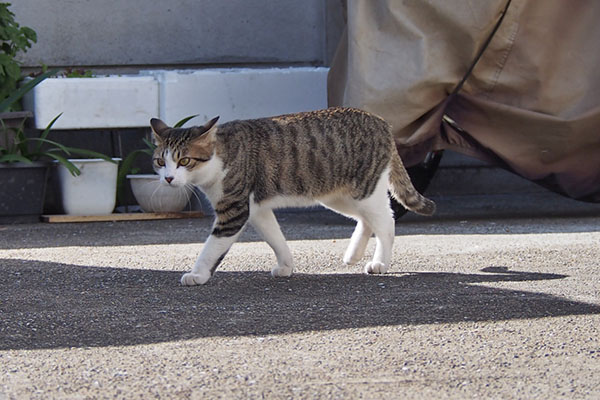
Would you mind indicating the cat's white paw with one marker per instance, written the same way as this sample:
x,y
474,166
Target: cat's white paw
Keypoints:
x,y
282,271
351,259
192,279
376,267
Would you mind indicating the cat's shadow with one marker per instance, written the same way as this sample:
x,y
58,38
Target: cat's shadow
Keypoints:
x,y
50,305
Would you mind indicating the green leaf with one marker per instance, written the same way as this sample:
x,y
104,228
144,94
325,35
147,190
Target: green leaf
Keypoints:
x,y
183,121
151,147
66,163
12,70
29,34
46,131
124,169
59,147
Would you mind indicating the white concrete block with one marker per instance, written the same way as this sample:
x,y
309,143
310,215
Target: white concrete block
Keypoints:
x,y
240,93
100,102
130,101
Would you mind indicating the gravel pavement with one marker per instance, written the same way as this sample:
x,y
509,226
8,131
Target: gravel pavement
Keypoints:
x,y
473,308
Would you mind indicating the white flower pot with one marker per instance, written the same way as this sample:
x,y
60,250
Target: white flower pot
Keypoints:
x,y
154,196
94,192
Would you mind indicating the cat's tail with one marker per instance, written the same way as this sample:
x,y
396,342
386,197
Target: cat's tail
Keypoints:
x,y
403,190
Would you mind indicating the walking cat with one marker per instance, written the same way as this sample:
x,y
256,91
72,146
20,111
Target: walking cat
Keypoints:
x,y
342,158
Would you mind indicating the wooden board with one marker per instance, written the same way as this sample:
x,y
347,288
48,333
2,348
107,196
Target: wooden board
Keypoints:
x,y
121,217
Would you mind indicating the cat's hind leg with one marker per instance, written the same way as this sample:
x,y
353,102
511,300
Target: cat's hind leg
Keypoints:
x,y
374,215
358,243
264,222
350,207
376,212
384,233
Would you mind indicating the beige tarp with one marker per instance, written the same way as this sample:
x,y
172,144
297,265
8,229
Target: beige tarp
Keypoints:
x,y
531,103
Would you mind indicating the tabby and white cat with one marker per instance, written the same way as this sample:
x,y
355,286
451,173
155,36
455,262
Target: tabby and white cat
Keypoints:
x,y
342,158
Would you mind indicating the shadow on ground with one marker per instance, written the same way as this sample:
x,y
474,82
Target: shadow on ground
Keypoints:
x,y
315,225
51,305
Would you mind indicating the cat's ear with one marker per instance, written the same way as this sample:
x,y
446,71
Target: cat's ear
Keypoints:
x,y
158,127
207,129
211,126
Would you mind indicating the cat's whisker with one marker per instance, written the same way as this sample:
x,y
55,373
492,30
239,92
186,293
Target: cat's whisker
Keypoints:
x,y
184,193
154,193
152,183
179,192
194,193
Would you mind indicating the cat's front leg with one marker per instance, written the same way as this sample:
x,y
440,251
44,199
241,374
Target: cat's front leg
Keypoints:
x,y
264,222
211,256
229,224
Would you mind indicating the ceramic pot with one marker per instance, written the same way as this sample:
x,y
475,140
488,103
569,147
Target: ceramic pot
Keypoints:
x,y
94,192
154,196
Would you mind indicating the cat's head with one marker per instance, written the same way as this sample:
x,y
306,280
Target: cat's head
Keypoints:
x,y
183,155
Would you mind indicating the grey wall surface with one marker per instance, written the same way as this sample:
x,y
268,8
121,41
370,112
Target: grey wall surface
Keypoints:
x,y
180,32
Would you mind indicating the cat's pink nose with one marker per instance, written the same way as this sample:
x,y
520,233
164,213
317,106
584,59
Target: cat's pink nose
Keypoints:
x,y
169,179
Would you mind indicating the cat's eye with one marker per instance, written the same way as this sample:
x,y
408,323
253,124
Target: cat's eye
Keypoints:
x,y
160,162
184,162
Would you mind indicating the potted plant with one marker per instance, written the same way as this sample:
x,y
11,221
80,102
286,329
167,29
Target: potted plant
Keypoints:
x,y
23,172
23,180
24,163
149,192
25,159
22,177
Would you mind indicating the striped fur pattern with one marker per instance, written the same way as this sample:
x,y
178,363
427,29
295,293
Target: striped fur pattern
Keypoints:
x,y
342,158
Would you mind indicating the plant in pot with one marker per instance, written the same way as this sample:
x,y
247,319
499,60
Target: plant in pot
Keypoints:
x,y
25,160
149,192
24,164
22,176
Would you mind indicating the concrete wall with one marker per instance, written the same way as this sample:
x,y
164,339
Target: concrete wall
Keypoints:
x,y
130,33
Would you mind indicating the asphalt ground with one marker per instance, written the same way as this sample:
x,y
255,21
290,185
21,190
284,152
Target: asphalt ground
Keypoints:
x,y
494,299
